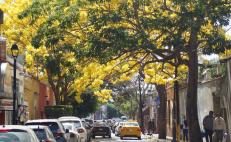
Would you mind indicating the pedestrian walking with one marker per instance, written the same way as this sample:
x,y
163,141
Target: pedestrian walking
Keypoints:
x,y
208,126
219,127
185,130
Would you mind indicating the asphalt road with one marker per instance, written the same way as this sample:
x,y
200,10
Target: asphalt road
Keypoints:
x,y
114,138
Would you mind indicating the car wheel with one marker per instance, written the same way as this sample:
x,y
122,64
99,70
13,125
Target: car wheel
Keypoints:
x,y
121,138
139,138
103,136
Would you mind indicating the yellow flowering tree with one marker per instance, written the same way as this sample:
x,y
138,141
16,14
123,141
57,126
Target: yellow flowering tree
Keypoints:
x,y
163,31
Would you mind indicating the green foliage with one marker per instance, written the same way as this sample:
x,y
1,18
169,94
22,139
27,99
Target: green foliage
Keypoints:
x,y
125,98
112,111
58,111
88,105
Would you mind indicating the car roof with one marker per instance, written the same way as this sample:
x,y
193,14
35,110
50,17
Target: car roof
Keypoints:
x,y
37,126
15,127
68,118
43,120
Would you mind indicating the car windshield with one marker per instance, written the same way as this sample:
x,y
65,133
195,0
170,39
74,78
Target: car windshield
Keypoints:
x,y
15,135
68,126
100,124
76,123
54,127
131,124
41,134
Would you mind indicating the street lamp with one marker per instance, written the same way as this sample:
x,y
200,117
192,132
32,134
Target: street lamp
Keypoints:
x,y
14,51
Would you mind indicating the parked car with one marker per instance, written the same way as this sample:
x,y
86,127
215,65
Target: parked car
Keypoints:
x,y
17,133
79,127
60,134
74,136
118,128
101,129
43,133
130,129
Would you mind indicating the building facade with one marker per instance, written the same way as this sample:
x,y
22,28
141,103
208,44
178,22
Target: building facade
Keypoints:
x,y
213,95
46,98
6,93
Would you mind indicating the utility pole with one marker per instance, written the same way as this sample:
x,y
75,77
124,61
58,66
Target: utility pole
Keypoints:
x,y
176,86
176,108
141,106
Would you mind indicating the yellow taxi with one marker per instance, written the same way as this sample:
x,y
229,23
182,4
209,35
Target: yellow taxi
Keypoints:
x,y
130,129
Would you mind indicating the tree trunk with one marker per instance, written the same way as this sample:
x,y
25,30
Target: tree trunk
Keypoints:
x,y
191,108
161,126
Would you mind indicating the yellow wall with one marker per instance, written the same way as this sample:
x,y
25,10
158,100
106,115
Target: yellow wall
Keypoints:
x,y
31,95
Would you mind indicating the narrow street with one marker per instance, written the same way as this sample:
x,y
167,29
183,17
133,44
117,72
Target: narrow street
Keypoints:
x,y
80,70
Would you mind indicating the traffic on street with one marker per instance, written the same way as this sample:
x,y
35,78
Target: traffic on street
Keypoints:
x,y
144,138
73,129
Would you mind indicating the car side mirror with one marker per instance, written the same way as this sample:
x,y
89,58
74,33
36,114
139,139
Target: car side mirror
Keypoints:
x,y
67,131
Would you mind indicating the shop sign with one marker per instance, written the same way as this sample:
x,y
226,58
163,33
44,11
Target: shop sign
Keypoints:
x,y
6,104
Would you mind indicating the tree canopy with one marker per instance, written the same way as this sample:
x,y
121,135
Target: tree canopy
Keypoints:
x,y
80,44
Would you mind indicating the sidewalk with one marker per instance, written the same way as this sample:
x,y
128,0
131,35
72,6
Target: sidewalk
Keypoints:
x,y
154,138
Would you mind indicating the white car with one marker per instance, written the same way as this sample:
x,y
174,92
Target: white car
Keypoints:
x,y
43,133
74,135
60,134
78,126
17,133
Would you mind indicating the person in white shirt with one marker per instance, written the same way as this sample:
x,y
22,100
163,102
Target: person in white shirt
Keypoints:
x,y
219,127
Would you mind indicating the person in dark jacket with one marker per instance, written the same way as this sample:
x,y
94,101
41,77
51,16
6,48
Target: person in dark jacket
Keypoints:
x,y
185,130
208,126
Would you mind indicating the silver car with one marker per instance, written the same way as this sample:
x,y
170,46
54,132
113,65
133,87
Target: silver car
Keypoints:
x,y
74,135
43,133
78,126
17,133
60,134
